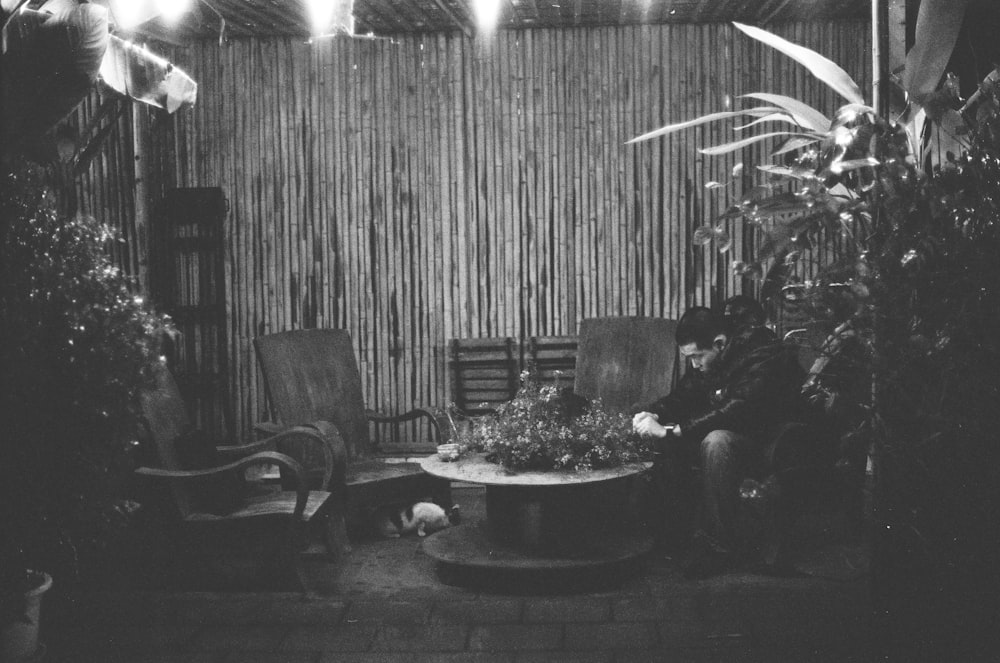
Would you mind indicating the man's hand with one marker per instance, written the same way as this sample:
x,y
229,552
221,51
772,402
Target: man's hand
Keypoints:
x,y
647,424
643,415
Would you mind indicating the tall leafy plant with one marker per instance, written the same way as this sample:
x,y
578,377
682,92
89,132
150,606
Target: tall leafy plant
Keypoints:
x,y
75,344
914,276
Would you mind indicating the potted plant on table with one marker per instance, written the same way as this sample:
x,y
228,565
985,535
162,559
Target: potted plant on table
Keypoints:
x,y
75,345
545,427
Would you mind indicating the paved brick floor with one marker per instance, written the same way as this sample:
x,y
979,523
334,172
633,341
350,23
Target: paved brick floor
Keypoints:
x,y
386,603
737,618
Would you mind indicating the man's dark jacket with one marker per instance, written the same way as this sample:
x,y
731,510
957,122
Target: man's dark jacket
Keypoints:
x,y
753,387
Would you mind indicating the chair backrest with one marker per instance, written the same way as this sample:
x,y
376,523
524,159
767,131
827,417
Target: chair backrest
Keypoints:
x,y
552,358
312,375
166,420
626,360
484,373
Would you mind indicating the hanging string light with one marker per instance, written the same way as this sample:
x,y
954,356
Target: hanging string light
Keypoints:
x,y
487,12
329,16
172,10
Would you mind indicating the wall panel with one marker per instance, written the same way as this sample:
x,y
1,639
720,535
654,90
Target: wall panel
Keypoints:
x,y
430,187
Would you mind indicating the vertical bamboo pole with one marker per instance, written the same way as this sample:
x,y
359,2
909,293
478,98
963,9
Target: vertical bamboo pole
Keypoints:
x,y
140,140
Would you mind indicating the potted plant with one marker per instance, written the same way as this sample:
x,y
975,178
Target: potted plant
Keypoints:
x,y
545,427
75,345
914,271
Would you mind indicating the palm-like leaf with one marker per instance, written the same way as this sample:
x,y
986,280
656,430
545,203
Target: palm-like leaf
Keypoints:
x,y
725,148
847,165
773,117
703,235
795,143
821,67
938,24
804,115
797,173
704,119
786,202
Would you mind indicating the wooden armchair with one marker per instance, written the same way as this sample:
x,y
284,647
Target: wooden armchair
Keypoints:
x,y
824,469
626,360
215,511
312,379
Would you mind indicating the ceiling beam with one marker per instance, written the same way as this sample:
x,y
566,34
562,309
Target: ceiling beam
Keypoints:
x,y
249,18
770,15
462,25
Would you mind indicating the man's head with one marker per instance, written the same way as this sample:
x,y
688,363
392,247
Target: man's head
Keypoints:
x,y
701,337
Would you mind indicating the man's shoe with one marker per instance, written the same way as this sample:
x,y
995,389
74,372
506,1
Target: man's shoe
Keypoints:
x,y
705,559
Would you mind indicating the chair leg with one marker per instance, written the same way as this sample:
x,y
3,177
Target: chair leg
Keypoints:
x,y
335,534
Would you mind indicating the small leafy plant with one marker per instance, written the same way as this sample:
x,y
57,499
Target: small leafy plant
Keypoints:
x,y
546,427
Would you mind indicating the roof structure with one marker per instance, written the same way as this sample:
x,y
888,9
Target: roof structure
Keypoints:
x,y
208,19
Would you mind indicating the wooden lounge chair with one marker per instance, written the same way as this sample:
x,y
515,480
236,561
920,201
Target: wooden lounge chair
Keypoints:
x,y
312,378
216,512
626,360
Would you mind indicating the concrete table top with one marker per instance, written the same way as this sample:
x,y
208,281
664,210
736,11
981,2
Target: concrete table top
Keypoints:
x,y
474,468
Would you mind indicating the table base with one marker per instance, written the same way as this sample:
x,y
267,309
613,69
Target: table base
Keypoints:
x,y
470,546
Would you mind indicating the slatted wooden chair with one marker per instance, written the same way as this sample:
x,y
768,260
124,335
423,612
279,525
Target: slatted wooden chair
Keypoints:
x,y
626,360
552,359
312,378
216,513
484,373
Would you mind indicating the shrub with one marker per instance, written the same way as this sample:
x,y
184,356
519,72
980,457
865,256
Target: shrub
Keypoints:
x,y
75,343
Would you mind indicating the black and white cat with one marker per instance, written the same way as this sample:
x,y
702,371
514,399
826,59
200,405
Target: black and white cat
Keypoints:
x,y
423,518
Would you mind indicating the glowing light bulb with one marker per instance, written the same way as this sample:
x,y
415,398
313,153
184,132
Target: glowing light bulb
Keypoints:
x,y
128,13
172,10
487,12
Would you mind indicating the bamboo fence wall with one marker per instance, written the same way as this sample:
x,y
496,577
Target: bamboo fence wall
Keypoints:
x,y
432,187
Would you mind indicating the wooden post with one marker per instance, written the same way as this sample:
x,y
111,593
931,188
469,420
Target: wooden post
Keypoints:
x,y
140,139
896,39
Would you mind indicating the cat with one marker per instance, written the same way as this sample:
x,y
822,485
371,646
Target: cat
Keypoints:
x,y
423,518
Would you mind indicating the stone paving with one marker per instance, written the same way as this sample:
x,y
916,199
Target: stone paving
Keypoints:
x,y
737,618
386,603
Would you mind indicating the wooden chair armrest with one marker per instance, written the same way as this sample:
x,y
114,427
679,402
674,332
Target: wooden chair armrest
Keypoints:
x,y
237,451
329,441
265,429
333,446
439,420
324,433
261,457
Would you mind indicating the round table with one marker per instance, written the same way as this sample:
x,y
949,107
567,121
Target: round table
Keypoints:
x,y
558,519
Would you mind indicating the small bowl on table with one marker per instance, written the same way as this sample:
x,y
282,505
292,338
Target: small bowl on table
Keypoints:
x,y
448,451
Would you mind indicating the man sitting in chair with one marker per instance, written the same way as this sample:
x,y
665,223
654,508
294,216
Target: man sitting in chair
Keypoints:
x,y
744,387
